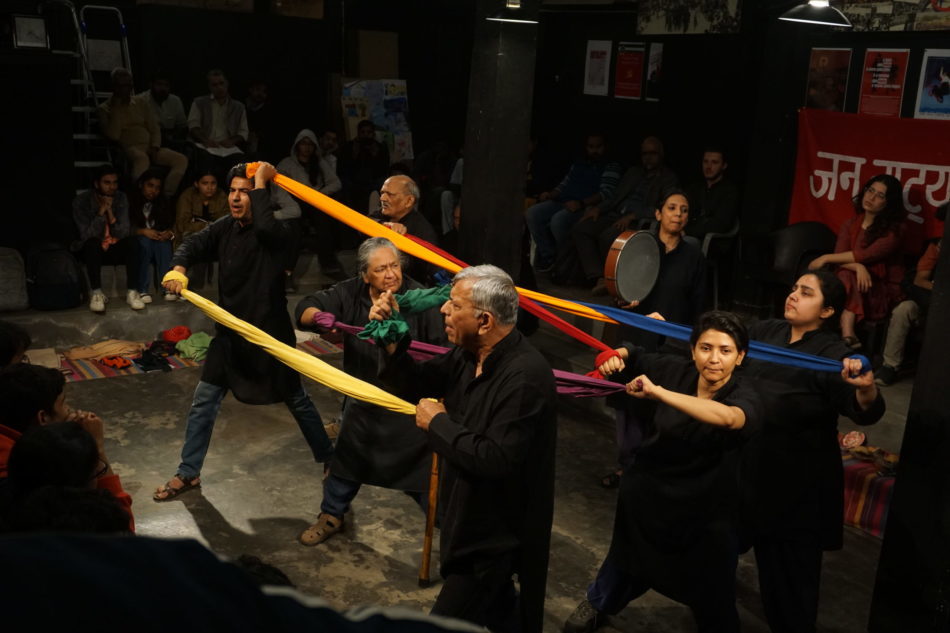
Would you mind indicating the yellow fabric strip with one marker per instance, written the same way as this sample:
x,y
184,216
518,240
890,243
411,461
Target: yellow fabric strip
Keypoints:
x,y
374,229
296,359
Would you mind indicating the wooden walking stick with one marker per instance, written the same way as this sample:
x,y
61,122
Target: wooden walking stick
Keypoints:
x,y
430,522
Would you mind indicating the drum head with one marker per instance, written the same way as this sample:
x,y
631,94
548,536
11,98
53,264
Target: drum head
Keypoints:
x,y
637,267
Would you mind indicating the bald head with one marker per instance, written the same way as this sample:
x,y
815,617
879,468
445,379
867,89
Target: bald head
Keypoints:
x,y
398,197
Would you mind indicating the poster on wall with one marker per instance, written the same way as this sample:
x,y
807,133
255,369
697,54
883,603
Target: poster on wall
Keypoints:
x,y
882,81
827,78
933,93
385,102
654,72
597,67
628,79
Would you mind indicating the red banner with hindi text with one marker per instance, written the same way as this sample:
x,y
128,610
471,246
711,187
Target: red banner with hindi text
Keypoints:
x,y
838,152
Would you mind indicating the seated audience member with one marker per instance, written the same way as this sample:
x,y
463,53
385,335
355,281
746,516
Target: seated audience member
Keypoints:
x,y
168,110
589,182
306,165
54,484
152,220
14,341
218,126
868,255
115,583
375,446
198,206
363,166
399,200
261,122
910,312
35,396
101,215
128,119
329,144
636,199
714,200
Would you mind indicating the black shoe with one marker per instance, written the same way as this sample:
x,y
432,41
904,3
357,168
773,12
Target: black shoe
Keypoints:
x,y
885,376
584,619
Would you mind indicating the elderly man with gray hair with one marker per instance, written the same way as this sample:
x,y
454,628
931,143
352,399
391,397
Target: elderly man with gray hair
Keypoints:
x,y
375,446
488,409
399,208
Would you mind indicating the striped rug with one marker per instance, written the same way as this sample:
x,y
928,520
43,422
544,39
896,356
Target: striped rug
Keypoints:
x,y
76,370
867,495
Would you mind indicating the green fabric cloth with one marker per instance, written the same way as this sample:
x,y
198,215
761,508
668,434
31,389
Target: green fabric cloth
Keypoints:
x,y
414,301
195,346
421,299
385,332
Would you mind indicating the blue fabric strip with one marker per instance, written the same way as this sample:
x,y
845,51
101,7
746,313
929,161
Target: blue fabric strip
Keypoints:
x,y
760,351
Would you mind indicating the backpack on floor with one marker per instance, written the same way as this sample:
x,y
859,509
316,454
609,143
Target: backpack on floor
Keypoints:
x,y
54,278
12,281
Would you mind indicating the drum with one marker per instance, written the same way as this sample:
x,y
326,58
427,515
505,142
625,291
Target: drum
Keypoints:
x,y
633,265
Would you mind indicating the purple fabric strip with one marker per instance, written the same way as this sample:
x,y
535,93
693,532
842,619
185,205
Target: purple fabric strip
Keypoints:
x,y
568,384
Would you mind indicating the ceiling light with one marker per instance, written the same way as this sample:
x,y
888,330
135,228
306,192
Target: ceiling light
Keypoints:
x,y
512,13
816,12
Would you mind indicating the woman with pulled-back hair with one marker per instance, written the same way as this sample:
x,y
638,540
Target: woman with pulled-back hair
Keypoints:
x,y
793,470
675,529
868,255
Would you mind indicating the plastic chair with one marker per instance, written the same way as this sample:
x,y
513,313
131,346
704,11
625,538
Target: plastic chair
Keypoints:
x,y
792,248
714,263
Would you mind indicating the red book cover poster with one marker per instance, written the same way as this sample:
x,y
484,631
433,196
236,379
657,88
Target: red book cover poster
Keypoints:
x,y
882,81
628,82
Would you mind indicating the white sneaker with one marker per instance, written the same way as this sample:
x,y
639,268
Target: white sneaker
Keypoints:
x,y
171,296
97,302
134,300
145,297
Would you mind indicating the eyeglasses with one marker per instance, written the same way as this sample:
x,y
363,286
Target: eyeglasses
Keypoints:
x,y
877,193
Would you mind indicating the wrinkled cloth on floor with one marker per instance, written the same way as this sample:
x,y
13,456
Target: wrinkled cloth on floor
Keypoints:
x,y
195,346
111,347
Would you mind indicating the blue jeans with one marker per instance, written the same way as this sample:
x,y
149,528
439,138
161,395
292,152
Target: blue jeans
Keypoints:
x,y
339,492
550,224
204,411
152,252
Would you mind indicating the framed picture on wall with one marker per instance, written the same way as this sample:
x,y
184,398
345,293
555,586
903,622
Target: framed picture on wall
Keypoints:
x,y
933,92
29,31
882,81
828,78
597,67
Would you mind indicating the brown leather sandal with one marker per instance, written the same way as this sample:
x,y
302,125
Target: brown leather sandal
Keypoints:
x,y
326,526
167,492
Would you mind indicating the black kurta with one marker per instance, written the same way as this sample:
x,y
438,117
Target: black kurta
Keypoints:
x,y
498,441
251,287
376,446
678,294
798,479
678,507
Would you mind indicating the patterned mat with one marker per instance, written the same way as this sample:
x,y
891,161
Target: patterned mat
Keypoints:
x,y
76,370
867,494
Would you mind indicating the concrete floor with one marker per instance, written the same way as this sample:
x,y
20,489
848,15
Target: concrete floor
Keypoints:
x,y
261,487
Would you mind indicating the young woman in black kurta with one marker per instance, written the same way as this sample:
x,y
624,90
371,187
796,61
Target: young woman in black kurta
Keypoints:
x,y
675,527
797,479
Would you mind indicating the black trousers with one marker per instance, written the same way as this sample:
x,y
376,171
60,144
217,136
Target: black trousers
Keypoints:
x,y
485,596
122,252
789,579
